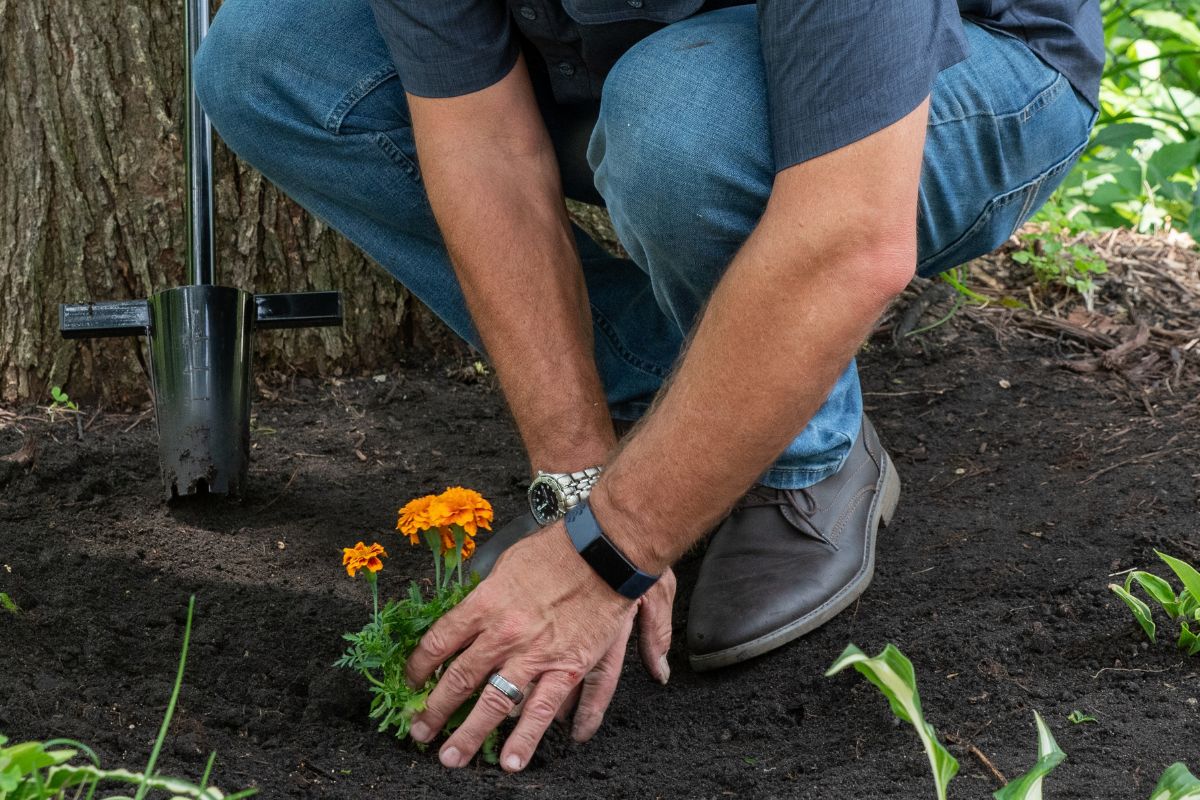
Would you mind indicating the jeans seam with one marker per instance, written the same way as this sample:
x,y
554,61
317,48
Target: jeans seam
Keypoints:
x,y
614,341
389,148
333,122
1043,98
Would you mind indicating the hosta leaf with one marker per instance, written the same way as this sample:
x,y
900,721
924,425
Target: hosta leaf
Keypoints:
x,y
1157,588
1177,783
1029,785
1140,610
1186,573
892,673
1188,641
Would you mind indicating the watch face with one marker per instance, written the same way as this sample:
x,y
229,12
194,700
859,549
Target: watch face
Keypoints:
x,y
544,502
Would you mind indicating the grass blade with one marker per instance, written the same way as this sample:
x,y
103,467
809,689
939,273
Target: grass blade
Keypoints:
x,y
1140,610
1029,785
892,673
166,723
1177,783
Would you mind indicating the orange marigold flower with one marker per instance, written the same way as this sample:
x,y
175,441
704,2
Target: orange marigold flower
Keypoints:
x,y
421,515
468,548
363,557
466,508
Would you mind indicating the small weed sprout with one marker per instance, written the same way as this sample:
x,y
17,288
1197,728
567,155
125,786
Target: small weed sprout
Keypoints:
x,y
1183,608
892,673
8,604
1077,717
61,401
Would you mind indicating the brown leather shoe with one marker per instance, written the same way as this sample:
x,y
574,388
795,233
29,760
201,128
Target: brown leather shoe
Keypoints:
x,y
786,562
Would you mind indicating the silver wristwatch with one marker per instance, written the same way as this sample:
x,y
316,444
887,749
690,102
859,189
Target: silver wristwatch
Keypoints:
x,y
553,494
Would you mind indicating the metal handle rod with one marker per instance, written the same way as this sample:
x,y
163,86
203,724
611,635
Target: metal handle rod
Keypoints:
x,y
198,202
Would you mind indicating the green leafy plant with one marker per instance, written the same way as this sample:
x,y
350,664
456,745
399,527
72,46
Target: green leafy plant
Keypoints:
x,y
1055,261
50,771
8,604
1077,717
1177,783
1029,785
1183,608
446,524
1141,167
60,400
892,673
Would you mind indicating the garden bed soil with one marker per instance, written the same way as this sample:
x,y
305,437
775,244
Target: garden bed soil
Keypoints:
x,y
1027,486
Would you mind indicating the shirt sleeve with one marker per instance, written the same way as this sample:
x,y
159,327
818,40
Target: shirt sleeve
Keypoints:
x,y
839,71
447,48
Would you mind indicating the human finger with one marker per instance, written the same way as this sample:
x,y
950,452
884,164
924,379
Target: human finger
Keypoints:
x,y
540,707
654,626
460,680
448,635
598,687
491,707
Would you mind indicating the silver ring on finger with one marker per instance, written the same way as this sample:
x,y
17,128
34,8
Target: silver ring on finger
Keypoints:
x,y
507,688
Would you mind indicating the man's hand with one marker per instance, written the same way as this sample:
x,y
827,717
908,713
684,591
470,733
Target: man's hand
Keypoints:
x,y
557,639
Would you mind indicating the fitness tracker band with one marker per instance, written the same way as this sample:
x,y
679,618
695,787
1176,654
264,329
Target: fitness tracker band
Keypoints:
x,y
603,556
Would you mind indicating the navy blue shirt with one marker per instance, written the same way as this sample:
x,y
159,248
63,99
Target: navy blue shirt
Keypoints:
x,y
837,70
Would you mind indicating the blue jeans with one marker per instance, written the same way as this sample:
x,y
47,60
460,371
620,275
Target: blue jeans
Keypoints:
x,y
306,92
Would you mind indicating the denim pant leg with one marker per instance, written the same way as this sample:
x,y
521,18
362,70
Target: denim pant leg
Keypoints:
x,y
306,91
682,157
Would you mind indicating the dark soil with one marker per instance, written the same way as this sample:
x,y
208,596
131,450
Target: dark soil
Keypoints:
x,y
1021,499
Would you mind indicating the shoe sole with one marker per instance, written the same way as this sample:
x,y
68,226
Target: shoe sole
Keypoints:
x,y
882,510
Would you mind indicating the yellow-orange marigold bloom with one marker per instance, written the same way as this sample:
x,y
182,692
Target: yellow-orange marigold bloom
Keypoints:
x,y
466,508
468,548
421,515
363,557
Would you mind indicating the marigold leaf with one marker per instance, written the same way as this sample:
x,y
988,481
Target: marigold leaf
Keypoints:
x,y
1141,611
1029,785
892,673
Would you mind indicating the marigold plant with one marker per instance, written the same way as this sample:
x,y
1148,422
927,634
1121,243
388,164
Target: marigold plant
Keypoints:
x,y
447,524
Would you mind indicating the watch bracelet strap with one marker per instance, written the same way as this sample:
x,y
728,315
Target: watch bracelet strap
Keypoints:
x,y
576,486
613,566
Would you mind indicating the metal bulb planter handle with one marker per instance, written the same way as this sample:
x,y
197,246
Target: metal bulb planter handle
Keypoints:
x,y
201,335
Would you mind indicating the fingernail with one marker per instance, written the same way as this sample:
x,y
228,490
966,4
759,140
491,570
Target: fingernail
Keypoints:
x,y
664,670
451,757
513,763
420,731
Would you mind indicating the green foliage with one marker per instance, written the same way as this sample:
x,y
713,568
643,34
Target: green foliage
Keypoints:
x,y
49,770
60,400
1029,785
8,604
1077,717
1142,166
1182,608
380,651
1177,783
1054,261
892,673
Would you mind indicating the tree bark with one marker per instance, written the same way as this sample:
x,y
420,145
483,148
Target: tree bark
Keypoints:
x,y
91,207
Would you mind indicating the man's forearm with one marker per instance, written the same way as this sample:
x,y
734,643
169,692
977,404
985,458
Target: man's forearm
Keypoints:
x,y
493,183
836,243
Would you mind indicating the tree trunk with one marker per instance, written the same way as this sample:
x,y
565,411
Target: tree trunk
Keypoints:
x,y
91,207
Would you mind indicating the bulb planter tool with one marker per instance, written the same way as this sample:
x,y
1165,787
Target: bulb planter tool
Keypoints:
x,y
200,335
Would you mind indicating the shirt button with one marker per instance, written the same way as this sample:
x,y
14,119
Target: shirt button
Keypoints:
x,y
528,13
634,3
566,69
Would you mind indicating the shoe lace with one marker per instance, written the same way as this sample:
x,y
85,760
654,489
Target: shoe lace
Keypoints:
x,y
800,501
